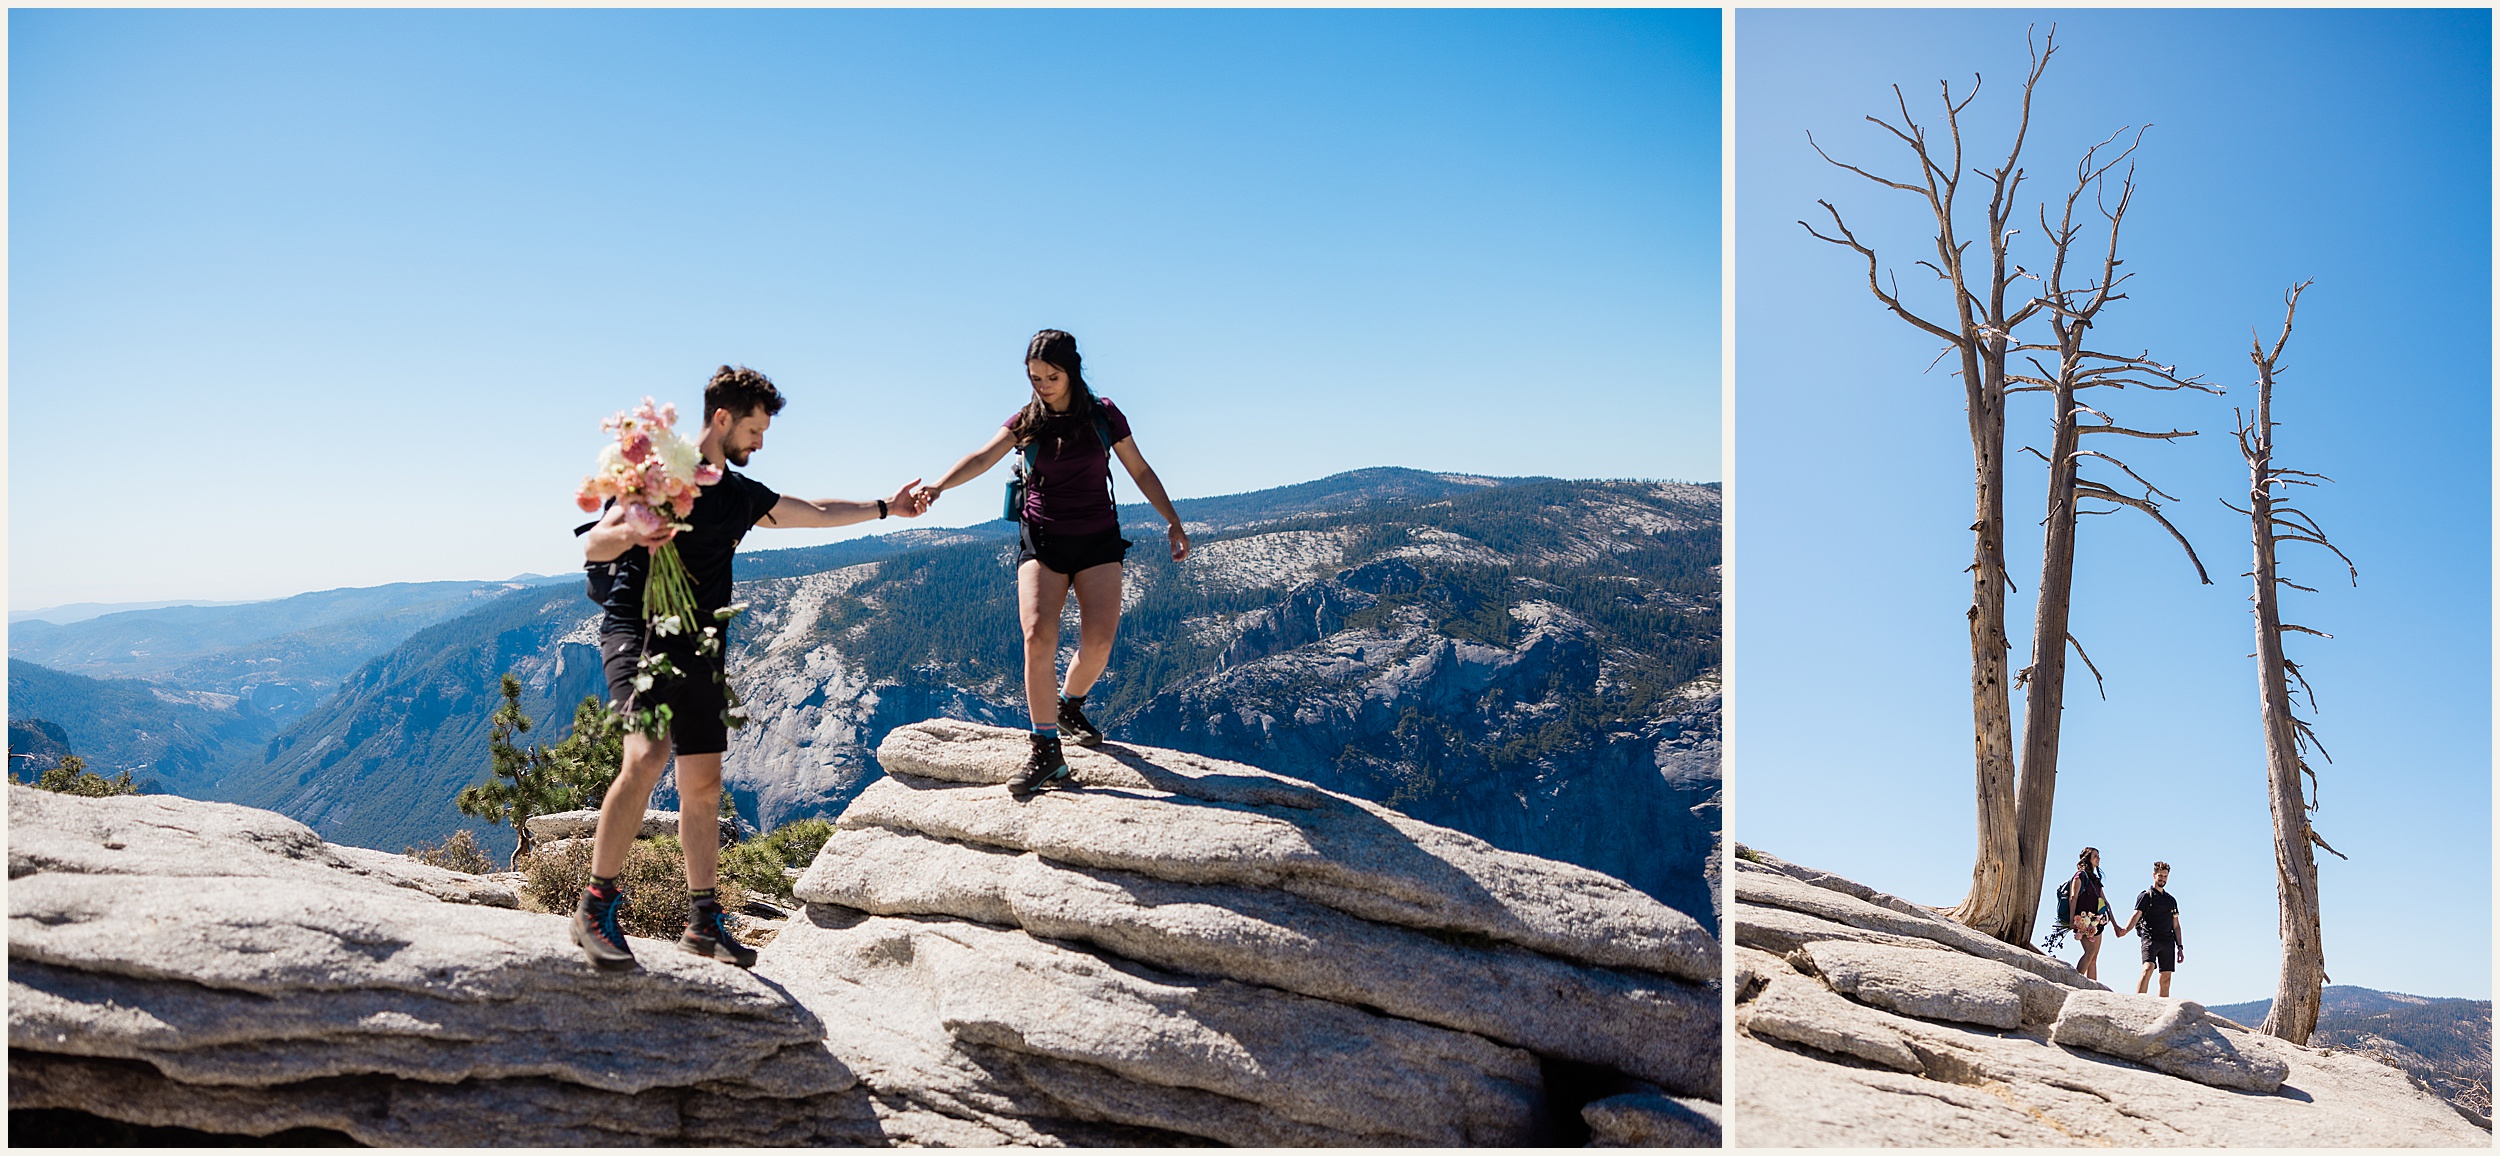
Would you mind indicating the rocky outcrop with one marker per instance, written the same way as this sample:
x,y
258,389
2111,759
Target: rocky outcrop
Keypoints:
x,y
1217,924
557,833
1864,1020
1176,951
176,963
2167,1035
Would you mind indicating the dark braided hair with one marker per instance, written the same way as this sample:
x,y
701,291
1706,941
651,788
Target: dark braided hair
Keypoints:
x,y
1056,348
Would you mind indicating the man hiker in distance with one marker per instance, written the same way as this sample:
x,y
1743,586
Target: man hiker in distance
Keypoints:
x,y
738,406
2157,915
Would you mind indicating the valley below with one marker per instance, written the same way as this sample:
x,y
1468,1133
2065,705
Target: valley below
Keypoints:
x,y
1531,661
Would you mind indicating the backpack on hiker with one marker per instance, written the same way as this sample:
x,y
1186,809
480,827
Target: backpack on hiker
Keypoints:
x,y
2065,905
1028,469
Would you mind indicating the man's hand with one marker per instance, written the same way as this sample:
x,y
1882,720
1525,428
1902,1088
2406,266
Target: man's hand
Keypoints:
x,y
2182,954
910,501
1180,541
615,534
928,496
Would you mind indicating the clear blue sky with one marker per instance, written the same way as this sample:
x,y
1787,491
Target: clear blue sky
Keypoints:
x,y
309,299
2350,147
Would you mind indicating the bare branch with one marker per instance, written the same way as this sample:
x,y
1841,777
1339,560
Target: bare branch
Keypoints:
x,y
2087,665
2149,510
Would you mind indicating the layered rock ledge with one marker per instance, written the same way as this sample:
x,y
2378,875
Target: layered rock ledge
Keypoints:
x,y
1176,951
1862,1019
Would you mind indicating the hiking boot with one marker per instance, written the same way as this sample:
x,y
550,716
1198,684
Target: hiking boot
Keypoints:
x,y
596,932
708,937
1045,768
1074,724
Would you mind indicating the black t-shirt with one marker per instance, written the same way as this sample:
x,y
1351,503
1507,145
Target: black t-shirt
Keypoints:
x,y
721,517
2159,915
2087,894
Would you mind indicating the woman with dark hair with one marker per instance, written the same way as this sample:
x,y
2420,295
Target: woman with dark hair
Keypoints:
x,y
2091,910
1069,538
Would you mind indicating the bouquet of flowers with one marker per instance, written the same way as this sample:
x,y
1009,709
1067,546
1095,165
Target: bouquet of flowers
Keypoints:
x,y
656,474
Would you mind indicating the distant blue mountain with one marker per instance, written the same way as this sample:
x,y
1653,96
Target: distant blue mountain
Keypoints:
x,y
283,655
2444,1045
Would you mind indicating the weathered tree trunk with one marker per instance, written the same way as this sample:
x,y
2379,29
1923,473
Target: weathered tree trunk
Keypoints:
x,y
2301,982
1994,902
1980,332
2044,681
2072,312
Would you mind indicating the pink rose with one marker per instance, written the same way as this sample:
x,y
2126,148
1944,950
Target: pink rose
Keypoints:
x,y
637,448
587,500
706,474
642,521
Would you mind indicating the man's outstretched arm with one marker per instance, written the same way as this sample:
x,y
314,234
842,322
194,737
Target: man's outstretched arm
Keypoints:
x,y
791,513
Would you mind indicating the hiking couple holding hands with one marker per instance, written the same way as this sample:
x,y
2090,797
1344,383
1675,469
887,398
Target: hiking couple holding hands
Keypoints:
x,y
2085,907
1068,541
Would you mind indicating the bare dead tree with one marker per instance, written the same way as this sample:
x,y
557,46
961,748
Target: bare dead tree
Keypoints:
x,y
2072,311
2299,986
1985,312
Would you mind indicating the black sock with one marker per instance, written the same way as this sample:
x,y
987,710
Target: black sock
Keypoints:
x,y
703,895
1074,700
603,886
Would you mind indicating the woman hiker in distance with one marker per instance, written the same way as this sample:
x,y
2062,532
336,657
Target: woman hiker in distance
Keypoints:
x,y
1070,538
2091,910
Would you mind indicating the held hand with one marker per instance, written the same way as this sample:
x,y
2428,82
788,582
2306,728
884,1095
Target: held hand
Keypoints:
x,y
910,501
1180,542
928,496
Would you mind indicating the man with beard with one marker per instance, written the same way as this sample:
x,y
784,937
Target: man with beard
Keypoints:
x,y
738,406
2157,914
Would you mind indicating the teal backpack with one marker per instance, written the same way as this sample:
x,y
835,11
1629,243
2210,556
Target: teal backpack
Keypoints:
x,y
1028,468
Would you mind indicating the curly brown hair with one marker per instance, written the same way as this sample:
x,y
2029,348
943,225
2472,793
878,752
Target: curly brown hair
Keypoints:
x,y
741,391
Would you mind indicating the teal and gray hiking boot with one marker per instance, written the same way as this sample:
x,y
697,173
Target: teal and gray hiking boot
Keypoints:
x,y
708,937
595,930
1074,724
1047,767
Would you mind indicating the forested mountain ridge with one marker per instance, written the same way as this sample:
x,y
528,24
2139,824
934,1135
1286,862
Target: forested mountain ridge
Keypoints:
x,y
1529,660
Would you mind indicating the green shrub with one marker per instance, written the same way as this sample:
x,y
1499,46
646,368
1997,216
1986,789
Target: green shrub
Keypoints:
x,y
758,863
72,777
654,882
457,852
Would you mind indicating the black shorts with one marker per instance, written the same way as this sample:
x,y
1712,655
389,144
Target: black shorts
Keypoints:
x,y
2165,954
694,699
1070,553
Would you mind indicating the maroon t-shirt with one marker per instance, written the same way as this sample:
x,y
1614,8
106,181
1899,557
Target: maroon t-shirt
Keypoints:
x,y
1071,491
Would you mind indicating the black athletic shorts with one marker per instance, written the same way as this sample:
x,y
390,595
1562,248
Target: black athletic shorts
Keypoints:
x,y
694,700
2165,954
1070,553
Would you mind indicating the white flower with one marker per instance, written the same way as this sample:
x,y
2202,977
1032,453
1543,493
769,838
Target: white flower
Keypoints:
x,y
642,682
664,625
677,454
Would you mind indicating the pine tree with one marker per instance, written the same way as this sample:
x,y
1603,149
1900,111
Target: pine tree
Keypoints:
x,y
531,781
